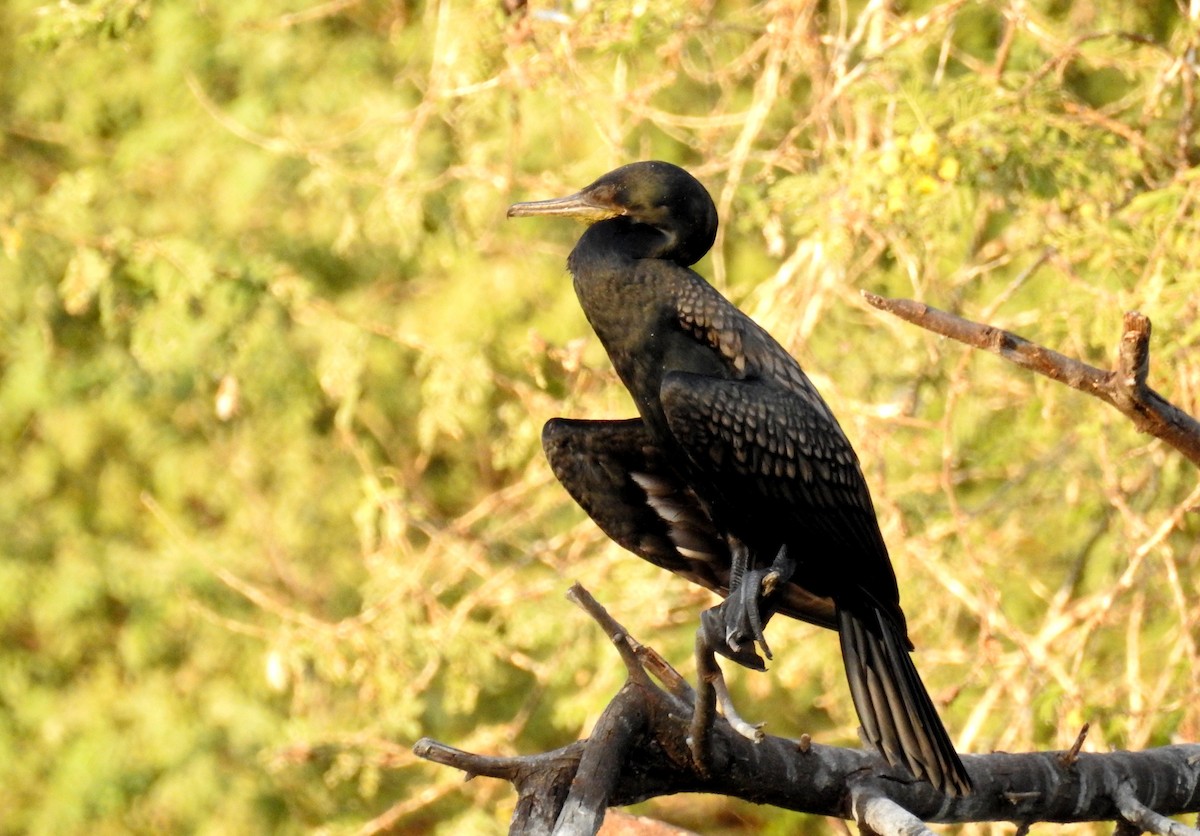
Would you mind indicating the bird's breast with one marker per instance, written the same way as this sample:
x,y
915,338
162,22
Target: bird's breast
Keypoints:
x,y
652,321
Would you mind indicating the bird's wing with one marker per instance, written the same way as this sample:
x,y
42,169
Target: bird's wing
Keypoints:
x,y
624,483
617,475
779,461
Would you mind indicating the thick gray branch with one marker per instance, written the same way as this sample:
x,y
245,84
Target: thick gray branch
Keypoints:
x,y
639,750
602,762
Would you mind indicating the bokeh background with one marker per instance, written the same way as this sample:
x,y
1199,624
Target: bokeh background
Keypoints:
x,y
274,366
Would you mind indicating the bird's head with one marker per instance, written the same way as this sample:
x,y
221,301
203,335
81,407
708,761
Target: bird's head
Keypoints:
x,y
652,194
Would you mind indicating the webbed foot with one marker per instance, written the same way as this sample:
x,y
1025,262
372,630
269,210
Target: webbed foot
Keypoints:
x,y
735,627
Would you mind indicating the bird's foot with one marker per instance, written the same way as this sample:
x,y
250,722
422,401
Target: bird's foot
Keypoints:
x,y
734,629
712,692
751,731
735,626
714,625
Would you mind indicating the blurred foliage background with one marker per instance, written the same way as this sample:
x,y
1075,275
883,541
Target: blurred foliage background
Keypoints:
x,y
274,367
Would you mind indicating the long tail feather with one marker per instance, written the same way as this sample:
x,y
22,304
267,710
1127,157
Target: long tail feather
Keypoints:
x,y
897,715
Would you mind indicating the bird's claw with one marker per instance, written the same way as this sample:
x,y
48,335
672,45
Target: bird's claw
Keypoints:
x,y
742,613
713,625
747,625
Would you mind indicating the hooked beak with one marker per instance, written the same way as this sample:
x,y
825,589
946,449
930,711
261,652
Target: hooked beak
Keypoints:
x,y
579,205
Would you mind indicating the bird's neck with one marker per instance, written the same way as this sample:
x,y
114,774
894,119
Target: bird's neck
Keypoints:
x,y
613,290
610,287
630,302
619,241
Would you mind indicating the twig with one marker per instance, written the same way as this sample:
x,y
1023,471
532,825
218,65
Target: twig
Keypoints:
x,y
766,91
324,10
662,670
1071,756
1011,24
1187,84
541,781
387,821
1124,388
639,659
491,766
615,632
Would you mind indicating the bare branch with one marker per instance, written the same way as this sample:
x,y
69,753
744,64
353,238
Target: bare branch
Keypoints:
x,y
1124,388
602,763
1141,816
671,679
615,632
639,750
468,762
879,814
541,780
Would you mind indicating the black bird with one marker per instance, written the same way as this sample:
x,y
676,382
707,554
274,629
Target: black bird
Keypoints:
x,y
736,476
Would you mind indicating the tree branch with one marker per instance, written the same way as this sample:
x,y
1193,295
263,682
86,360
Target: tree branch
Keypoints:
x,y
601,764
639,750
877,813
1140,816
541,781
1125,388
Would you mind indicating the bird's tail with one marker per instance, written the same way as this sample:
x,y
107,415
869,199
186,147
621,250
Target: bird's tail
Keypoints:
x,y
893,706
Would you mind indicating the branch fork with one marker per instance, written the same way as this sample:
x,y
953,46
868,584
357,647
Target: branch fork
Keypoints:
x,y
640,749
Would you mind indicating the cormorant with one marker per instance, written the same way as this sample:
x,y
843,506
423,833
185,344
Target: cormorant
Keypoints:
x,y
736,476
